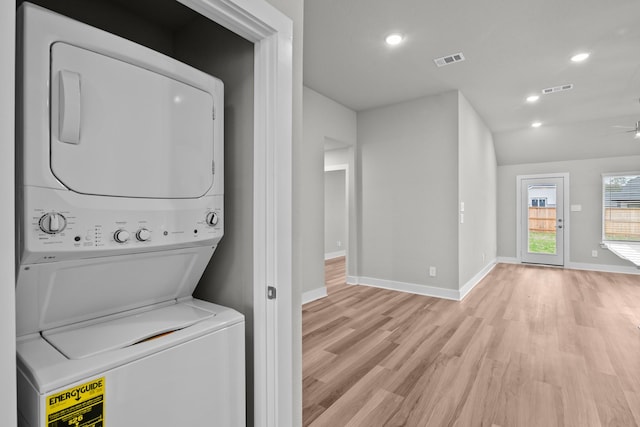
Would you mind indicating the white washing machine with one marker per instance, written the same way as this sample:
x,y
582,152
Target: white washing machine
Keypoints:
x,y
120,197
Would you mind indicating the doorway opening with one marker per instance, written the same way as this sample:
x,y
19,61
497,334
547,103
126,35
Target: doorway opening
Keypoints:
x,y
339,160
335,225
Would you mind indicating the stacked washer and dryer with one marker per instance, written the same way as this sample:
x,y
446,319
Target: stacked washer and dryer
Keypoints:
x,y
120,208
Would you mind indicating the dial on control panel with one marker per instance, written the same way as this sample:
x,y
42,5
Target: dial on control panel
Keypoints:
x,y
212,219
143,235
52,223
121,236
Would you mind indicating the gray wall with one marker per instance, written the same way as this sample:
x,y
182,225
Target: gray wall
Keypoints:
x,y
323,118
337,157
585,189
477,188
335,211
7,255
408,191
228,279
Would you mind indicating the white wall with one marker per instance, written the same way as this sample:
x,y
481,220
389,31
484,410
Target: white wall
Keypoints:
x,y
585,190
7,257
408,191
335,212
477,188
323,118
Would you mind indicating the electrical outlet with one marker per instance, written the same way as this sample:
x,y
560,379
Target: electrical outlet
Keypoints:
x,y
432,271
339,243
594,253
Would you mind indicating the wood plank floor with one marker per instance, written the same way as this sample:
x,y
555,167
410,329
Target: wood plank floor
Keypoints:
x,y
530,346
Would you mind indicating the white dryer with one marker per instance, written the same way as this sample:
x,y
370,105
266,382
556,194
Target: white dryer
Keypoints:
x,y
120,197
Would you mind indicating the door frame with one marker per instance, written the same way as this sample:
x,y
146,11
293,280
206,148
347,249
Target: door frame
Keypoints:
x,y
8,396
566,212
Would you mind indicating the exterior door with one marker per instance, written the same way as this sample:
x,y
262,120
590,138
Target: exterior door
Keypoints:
x,y
541,202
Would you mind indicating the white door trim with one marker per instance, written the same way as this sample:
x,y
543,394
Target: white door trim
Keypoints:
x,y
567,217
8,396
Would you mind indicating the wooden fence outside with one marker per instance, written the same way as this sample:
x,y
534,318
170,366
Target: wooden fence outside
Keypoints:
x,y
622,223
542,219
619,223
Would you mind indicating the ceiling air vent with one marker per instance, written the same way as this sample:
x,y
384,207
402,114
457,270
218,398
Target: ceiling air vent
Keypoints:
x,y
557,89
446,60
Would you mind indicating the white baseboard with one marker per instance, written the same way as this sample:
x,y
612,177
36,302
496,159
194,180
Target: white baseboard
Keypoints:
x,y
313,295
507,260
458,295
412,288
331,255
467,287
605,268
429,291
352,280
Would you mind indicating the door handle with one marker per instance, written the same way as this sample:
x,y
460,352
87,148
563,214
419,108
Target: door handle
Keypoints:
x,y
69,107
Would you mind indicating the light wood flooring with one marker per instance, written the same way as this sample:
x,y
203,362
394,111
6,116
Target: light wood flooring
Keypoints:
x,y
529,346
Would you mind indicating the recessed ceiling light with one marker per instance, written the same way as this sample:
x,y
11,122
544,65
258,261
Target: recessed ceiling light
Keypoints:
x,y
394,39
536,124
533,98
580,57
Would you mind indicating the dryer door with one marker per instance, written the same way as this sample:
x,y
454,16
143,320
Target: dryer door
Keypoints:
x,y
121,130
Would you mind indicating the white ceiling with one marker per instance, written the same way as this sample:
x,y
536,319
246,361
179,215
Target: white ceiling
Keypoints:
x,y
513,48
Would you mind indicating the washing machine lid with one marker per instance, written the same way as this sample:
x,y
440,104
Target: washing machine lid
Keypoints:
x,y
88,341
118,129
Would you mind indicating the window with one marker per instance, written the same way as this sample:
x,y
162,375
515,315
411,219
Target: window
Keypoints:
x,y
621,207
539,202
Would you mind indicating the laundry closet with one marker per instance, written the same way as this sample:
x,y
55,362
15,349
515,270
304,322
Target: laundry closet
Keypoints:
x,y
174,30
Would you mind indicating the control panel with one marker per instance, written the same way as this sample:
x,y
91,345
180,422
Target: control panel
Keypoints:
x,y
53,230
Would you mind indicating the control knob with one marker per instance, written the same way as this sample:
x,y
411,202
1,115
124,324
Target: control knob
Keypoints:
x,y
121,236
52,223
212,219
143,235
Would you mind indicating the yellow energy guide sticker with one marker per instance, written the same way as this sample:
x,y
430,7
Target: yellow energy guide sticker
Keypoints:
x,y
79,406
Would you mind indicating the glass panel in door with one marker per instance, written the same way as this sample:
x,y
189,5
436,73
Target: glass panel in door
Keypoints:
x,y
541,226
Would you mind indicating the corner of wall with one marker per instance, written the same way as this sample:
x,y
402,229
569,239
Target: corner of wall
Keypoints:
x,y
477,193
